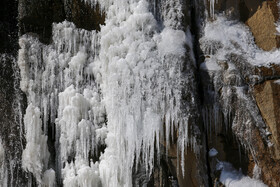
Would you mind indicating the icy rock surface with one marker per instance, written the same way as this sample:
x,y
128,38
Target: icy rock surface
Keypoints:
x,y
223,36
228,76
230,57
115,88
11,132
3,169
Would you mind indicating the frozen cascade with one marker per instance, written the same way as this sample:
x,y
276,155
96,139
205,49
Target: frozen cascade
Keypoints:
x,y
119,105
115,88
35,156
57,81
142,87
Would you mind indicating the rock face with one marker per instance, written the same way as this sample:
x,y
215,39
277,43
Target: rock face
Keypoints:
x,y
268,100
260,115
10,99
262,25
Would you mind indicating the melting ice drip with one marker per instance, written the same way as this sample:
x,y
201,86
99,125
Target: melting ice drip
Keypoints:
x,y
132,69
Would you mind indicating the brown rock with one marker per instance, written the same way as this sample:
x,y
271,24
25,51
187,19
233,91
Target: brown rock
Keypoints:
x,y
193,166
268,100
191,176
268,72
262,25
270,167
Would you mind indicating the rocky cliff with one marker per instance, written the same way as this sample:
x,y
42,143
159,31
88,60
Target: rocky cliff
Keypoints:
x,y
139,93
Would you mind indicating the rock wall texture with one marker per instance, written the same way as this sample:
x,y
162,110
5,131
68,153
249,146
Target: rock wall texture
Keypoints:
x,y
262,94
235,126
262,25
10,97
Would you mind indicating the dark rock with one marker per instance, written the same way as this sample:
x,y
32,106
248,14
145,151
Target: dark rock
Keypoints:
x,y
10,131
38,16
8,26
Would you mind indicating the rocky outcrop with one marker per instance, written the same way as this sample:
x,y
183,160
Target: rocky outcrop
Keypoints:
x,y
37,17
262,25
268,100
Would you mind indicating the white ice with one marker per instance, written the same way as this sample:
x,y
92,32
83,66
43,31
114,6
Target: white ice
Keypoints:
x,y
115,88
213,152
233,178
236,37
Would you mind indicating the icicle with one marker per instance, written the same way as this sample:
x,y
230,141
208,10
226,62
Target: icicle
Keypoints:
x,y
212,8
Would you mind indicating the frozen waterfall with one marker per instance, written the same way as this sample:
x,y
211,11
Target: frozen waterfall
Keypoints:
x,y
121,88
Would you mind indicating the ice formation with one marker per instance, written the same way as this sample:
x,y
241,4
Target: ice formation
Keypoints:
x,y
35,155
58,82
115,88
231,178
141,84
212,8
213,152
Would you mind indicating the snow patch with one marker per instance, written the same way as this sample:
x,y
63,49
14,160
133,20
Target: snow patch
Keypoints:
x,y
277,81
213,152
233,178
49,178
